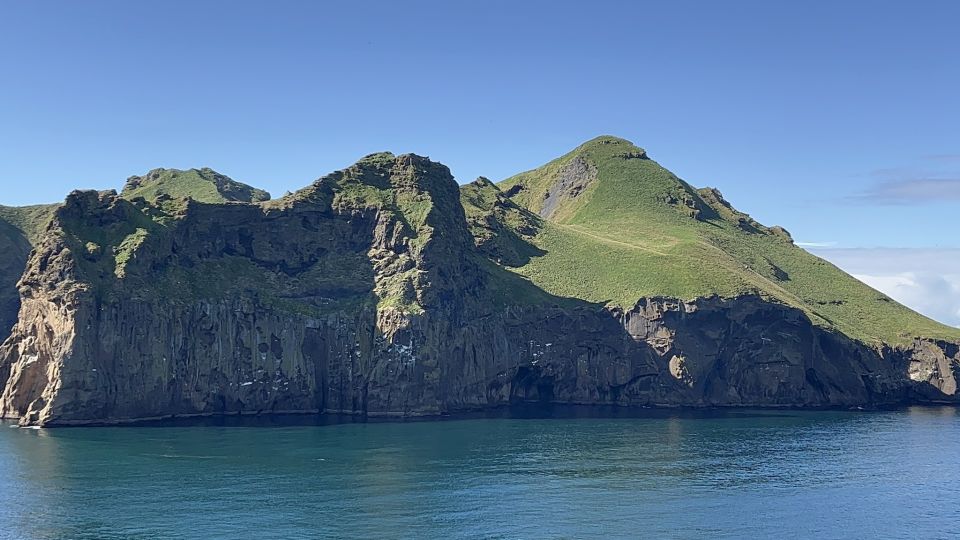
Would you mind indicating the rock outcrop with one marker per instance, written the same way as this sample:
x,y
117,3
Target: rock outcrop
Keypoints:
x,y
934,367
366,293
572,180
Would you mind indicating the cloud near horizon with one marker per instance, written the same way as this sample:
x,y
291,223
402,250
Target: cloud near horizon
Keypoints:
x,y
935,296
911,191
943,157
816,244
925,280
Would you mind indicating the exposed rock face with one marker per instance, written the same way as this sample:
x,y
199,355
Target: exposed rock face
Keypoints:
x,y
934,366
366,293
571,182
228,308
746,351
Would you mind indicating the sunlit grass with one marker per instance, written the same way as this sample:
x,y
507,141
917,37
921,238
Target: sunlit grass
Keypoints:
x,y
637,230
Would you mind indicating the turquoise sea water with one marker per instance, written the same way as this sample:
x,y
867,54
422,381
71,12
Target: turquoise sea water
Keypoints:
x,y
742,474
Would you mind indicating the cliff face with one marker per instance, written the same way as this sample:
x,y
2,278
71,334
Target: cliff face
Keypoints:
x,y
366,293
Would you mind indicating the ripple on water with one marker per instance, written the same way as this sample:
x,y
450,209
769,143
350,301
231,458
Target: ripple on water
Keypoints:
x,y
877,474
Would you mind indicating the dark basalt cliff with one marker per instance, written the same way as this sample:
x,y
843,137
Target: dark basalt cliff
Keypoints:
x,y
368,293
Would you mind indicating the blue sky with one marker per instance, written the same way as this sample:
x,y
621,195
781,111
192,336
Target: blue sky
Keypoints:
x,y
837,120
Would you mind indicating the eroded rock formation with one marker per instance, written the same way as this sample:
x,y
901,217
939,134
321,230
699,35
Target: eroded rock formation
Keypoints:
x,y
366,293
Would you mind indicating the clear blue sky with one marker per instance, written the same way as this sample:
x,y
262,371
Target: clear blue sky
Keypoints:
x,y
837,120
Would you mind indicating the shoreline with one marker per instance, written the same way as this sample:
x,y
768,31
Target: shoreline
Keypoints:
x,y
532,411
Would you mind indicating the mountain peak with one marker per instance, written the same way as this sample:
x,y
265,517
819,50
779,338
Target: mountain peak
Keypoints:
x,y
622,146
203,185
606,164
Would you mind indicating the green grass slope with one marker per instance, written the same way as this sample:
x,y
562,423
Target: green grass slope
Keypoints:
x,y
29,220
203,185
613,226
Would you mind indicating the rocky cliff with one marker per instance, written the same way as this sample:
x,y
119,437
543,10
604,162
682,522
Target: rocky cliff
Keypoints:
x,y
384,290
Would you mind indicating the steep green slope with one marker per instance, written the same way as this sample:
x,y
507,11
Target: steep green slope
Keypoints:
x,y
20,229
15,248
29,220
202,185
615,226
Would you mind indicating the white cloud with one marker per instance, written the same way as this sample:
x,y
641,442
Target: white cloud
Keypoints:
x,y
926,280
933,295
912,191
816,244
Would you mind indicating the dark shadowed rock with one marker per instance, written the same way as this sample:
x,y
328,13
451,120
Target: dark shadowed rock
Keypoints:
x,y
375,292
15,249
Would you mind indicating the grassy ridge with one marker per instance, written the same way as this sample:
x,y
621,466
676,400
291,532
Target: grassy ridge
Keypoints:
x,y
30,220
619,227
637,230
202,185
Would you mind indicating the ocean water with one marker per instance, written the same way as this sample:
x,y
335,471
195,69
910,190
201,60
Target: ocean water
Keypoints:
x,y
733,474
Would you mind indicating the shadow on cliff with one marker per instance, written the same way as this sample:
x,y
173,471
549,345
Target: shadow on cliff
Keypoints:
x,y
528,348
321,286
15,249
742,351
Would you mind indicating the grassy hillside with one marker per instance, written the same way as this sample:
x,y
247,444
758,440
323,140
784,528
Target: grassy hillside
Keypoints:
x,y
203,185
30,220
615,226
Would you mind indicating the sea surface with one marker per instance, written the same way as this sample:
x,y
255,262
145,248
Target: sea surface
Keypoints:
x,y
726,474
